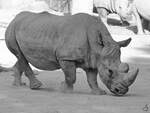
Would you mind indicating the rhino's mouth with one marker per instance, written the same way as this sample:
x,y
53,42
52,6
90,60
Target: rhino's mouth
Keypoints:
x,y
119,89
118,80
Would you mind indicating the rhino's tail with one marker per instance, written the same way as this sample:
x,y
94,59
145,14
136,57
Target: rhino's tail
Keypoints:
x,y
5,69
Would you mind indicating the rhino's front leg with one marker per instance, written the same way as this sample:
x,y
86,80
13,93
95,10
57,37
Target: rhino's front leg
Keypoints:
x,y
138,21
92,81
69,70
103,15
146,26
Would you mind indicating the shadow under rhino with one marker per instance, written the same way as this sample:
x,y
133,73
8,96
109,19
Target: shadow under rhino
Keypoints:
x,y
51,42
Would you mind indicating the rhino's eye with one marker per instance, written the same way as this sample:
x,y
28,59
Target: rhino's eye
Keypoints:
x,y
120,7
110,73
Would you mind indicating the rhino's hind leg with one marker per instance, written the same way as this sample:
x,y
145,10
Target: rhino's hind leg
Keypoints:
x,y
69,70
34,82
17,74
92,81
23,66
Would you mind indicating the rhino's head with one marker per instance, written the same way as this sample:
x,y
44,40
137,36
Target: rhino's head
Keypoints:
x,y
117,76
124,9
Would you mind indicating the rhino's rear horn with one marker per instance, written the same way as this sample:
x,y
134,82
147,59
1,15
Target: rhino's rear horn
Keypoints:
x,y
124,43
124,67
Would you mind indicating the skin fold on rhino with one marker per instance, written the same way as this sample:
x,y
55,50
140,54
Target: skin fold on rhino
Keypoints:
x,y
51,42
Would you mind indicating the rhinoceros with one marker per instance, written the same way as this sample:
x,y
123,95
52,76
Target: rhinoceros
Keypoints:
x,y
141,11
120,7
51,42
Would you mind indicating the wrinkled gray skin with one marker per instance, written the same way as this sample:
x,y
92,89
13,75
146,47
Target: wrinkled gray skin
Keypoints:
x,y
51,42
120,7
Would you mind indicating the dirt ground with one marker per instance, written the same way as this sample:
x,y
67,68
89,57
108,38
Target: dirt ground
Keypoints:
x,y
49,99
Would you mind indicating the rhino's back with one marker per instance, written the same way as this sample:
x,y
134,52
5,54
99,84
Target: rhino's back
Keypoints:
x,y
143,7
74,39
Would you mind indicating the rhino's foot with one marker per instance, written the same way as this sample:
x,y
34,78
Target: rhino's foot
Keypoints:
x,y
98,92
18,83
35,84
17,80
66,88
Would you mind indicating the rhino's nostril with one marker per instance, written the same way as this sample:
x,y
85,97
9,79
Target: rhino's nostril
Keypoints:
x,y
110,72
116,90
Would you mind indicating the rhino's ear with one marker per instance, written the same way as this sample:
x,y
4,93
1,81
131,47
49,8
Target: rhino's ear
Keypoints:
x,y
124,43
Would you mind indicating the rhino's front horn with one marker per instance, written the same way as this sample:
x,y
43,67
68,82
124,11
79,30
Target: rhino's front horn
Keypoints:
x,y
130,77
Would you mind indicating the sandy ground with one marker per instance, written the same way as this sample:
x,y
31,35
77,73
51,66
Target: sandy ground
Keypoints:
x,y
49,99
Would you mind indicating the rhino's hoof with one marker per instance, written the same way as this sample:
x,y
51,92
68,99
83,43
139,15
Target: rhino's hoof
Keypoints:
x,y
19,84
35,85
98,92
66,88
